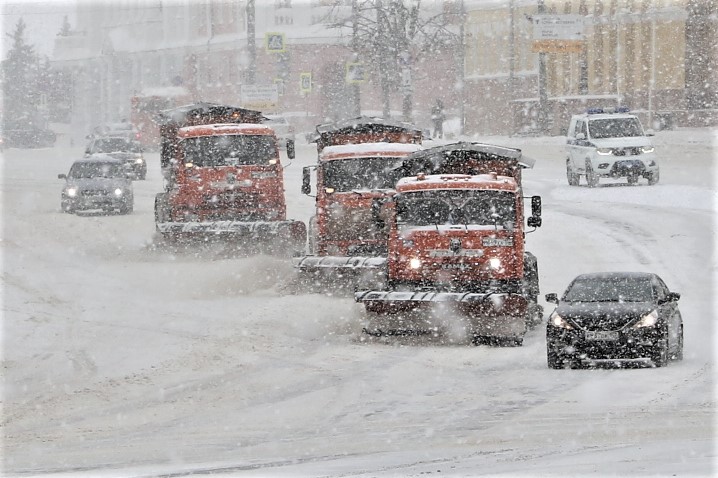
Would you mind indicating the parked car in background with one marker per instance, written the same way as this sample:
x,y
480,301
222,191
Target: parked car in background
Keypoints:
x,y
31,137
617,317
282,129
99,182
609,143
127,150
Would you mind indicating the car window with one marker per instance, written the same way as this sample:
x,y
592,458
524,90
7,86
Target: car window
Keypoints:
x,y
581,127
621,289
91,170
615,128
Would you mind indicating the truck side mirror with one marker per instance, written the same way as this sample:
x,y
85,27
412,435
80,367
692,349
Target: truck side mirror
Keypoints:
x,y
535,219
291,153
306,180
62,176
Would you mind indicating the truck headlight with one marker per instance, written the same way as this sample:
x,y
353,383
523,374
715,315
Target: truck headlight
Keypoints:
x,y
604,151
558,321
495,263
118,192
648,320
139,161
415,263
71,192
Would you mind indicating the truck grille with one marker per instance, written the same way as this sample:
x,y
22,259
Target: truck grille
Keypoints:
x,y
94,193
232,200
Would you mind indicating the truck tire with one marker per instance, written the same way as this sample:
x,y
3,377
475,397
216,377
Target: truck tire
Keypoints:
x,y
162,209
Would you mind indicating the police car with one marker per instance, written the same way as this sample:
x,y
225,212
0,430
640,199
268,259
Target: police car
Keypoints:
x,y
609,143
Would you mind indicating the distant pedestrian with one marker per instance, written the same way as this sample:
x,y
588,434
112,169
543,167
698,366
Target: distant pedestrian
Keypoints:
x,y
437,117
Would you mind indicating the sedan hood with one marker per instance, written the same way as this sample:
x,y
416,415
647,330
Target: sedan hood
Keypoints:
x,y
603,315
626,142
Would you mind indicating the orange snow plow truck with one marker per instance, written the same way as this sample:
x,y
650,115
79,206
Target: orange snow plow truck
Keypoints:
x,y
456,252
224,179
357,163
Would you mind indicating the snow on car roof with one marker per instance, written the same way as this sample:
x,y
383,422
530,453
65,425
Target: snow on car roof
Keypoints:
x,y
370,148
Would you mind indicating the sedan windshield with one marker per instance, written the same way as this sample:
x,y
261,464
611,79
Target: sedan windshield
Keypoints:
x,y
466,206
617,289
230,150
615,128
90,170
361,173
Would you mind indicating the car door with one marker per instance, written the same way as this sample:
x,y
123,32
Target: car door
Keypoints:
x,y
579,146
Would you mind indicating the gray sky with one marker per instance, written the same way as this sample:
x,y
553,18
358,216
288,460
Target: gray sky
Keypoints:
x,y
42,17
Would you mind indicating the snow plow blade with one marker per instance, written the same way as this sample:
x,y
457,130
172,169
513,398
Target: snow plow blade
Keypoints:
x,y
340,264
291,233
487,315
347,273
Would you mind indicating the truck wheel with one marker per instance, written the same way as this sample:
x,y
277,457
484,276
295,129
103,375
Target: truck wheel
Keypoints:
x,y
591,177
572,177
653,178
162,209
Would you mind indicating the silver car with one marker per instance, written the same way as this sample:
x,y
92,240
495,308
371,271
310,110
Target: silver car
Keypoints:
x,y
100,182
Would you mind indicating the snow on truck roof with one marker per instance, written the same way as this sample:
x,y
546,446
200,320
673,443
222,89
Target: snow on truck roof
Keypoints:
x,y
224,129
368,149
455,181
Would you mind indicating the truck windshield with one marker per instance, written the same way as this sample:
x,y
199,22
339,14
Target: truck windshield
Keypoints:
x,y
229,150
453,207
361,173
615,128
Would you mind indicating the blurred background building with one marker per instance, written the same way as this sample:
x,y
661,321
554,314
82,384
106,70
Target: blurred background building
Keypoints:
x,y
656,56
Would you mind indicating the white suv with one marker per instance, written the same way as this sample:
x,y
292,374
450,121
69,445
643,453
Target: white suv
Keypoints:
x,y
609,143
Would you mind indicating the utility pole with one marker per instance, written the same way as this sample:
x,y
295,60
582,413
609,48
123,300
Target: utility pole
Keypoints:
x,y
512,64
251,43
356,88
462,68
543,95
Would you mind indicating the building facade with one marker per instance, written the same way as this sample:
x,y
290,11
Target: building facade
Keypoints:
x,y
656,56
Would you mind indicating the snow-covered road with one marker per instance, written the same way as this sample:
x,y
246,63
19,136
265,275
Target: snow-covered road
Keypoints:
x,y
121,359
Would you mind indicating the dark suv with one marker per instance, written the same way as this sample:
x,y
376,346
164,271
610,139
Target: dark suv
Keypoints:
x,y
124,149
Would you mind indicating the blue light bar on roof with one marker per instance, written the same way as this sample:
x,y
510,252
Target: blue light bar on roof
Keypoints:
x,y
608,110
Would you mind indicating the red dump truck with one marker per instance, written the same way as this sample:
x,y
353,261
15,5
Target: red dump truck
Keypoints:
x,y
357,163
224,179
456,251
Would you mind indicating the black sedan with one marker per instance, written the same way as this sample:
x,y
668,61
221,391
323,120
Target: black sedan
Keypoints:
x,y
616,318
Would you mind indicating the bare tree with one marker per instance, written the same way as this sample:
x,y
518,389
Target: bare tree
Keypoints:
x,y
390,36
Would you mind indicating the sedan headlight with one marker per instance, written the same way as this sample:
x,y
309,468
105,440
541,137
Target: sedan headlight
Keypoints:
x,y
415,263
71,192
139,161
648,320
647,149
119,192
558,321
604,151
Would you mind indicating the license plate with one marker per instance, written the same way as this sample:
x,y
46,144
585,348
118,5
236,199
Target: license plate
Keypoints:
x,y
602,335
